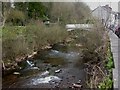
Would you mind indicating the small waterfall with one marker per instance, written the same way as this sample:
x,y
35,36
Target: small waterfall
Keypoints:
x,y
69,55
30,63
57,53
48,79
45,73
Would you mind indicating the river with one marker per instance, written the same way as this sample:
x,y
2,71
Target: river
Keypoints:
x,y
59,67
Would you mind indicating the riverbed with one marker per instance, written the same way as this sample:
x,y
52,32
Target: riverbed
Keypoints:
x,y
59,67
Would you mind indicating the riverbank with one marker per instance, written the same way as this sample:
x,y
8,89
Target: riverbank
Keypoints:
x,y
21,43
83,52
58,63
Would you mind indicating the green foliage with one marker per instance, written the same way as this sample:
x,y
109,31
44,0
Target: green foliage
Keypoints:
x,y
13,42
106,84
110,63
32,9
61,12
22,6
11,32
0,33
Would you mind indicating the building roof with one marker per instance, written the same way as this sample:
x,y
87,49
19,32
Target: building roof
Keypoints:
x,y
106,7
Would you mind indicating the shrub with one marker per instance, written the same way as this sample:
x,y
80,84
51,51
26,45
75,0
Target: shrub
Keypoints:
x,y
106,84
13,42
41,35
19,41
90,41
15,17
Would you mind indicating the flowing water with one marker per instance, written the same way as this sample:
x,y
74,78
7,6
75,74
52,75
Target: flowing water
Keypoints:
x,y
60,66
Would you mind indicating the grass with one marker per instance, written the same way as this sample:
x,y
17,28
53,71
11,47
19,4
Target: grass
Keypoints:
x,y
110,63
106,84
13,42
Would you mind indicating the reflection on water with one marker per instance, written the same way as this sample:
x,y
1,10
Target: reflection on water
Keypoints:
x,y
55,61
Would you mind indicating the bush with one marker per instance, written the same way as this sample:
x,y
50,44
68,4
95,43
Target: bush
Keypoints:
x,y
95,52
106,84
15,17
56,34
13,42
41,35
90,41
19,41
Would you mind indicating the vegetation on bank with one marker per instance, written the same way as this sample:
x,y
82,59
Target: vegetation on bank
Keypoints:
x,y
96,55
21,41
107,83
24,32
98,58
56,12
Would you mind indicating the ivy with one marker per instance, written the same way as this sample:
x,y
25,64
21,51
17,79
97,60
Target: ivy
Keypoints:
x,y
107,83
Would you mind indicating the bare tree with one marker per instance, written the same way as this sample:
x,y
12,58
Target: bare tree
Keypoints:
x,y
72,12
5,11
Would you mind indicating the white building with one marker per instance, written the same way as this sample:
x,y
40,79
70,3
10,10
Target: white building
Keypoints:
x,y
105,14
